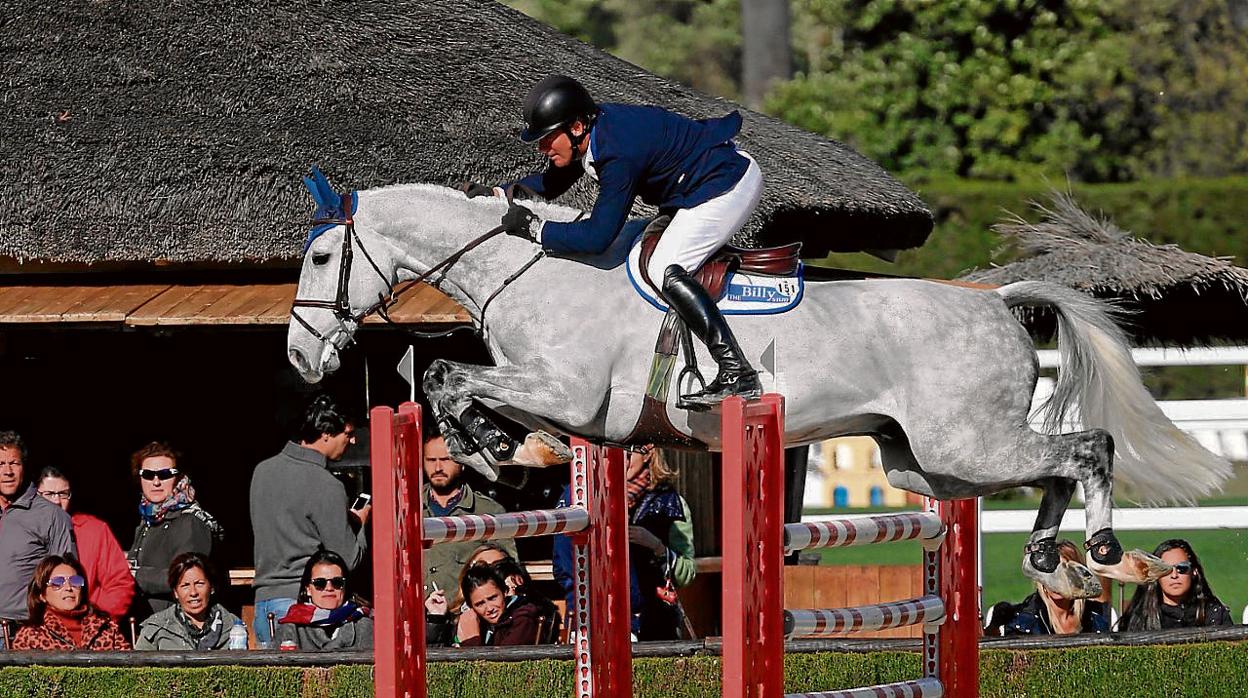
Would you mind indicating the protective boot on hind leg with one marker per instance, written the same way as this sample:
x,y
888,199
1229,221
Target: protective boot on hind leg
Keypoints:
x,y
694,305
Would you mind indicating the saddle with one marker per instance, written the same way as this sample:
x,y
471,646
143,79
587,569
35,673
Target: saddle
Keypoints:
x,y
653,425
782,260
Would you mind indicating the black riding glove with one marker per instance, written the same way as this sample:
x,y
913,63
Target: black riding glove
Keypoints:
x,y
521,222
473,190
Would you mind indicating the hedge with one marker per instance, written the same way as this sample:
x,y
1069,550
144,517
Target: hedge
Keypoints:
x,y
1205,669
1200,215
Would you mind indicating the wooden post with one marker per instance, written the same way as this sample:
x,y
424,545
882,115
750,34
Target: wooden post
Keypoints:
x,y
753,576
398,553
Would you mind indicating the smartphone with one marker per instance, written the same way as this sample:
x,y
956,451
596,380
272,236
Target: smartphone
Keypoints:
x,y
361,501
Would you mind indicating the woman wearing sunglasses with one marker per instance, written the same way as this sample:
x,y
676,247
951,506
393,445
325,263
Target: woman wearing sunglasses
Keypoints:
x,y
1181,599
172,523
325,619
61,618
194,623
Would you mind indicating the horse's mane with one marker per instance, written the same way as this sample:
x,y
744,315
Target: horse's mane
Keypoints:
x,y
543,209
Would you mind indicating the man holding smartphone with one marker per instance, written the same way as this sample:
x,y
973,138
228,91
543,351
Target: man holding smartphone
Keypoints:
x,y
298,507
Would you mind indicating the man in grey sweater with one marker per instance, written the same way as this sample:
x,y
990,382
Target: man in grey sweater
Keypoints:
x,y
298,507
31,528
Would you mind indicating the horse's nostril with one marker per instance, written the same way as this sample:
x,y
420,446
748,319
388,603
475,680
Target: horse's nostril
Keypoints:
x,y
299,360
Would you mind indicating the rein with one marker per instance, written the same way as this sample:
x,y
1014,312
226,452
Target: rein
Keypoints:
x,y
340,306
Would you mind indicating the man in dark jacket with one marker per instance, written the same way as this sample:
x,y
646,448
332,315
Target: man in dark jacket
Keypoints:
x,y
689,169
299,507
31,528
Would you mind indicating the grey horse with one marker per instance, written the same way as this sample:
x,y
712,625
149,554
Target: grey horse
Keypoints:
x,y
940,375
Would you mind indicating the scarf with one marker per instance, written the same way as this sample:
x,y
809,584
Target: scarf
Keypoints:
x,y
183,496
317,617
71,622
207,637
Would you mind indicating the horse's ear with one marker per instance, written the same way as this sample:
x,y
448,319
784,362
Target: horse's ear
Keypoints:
x,y
328,198
317,186
310,185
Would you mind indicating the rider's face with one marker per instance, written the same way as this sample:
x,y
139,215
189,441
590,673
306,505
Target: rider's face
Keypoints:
x,y
558,146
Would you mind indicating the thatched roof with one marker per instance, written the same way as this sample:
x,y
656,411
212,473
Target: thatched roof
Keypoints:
x,y
1169,295
179,132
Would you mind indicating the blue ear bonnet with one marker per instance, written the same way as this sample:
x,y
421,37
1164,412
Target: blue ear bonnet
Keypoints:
x,y
329,206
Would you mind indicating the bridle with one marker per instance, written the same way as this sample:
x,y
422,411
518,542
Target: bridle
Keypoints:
x,y
340,306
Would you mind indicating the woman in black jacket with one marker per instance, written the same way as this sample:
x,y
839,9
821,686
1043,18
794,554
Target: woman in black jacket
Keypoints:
x,y
172,523
1181,599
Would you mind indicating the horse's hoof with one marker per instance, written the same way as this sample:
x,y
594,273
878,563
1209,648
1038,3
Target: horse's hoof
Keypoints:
x,y
541,450
1135,567
479,463
1071,579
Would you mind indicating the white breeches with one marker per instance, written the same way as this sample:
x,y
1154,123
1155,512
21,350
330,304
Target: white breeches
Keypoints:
x,y
697,233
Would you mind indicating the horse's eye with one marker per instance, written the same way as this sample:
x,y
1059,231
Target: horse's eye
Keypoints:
x,y
320,258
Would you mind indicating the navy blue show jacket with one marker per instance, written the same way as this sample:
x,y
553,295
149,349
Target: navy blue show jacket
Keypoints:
x,y
670,161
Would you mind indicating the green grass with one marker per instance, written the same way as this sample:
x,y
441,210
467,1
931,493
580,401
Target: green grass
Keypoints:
x,y
1224,555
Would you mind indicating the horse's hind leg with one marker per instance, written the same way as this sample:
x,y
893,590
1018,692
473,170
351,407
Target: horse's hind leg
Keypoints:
x,y
1041,559
1105,554
1085,457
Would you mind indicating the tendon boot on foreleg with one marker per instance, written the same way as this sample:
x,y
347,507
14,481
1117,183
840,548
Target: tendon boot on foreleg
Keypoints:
x,y
538,450
735,376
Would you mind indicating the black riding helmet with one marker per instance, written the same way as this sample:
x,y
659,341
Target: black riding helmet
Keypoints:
x,y
555,103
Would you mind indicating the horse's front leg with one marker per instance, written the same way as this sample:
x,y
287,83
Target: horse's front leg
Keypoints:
x,y
531,388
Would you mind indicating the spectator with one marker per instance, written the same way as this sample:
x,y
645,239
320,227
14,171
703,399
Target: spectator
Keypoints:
x,y
31,529
325,620
61,617
502,620
1046,612
298,507
520,584
194,623
108,575
1181,599
171,522
446,494
660,553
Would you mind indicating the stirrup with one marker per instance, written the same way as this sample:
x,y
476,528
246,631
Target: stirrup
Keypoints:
x,y
746,386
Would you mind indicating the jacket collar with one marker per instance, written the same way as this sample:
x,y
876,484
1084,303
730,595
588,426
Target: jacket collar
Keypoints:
x,y
92,623
27,498
305,454
467,501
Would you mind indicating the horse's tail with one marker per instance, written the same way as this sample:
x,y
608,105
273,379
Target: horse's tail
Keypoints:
x,y
1157,461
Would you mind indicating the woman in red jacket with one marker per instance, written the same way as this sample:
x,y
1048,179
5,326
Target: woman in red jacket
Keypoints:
x,y
108,576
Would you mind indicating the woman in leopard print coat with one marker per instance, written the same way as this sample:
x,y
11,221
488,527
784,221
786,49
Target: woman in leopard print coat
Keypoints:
x,y
61,619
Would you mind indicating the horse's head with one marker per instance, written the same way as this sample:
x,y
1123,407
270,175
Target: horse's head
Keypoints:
x,y
348,271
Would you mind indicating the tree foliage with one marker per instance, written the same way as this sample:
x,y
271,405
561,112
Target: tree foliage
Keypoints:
x,y
1097,90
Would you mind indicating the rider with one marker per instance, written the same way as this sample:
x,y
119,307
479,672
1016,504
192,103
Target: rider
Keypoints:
x,y
690,170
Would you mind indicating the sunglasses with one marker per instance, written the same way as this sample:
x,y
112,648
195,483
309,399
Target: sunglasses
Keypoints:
x,y
74,581
336,582
166,474
1183,568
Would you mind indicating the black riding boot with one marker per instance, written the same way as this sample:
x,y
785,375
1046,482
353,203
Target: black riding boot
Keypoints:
x,y
687,297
